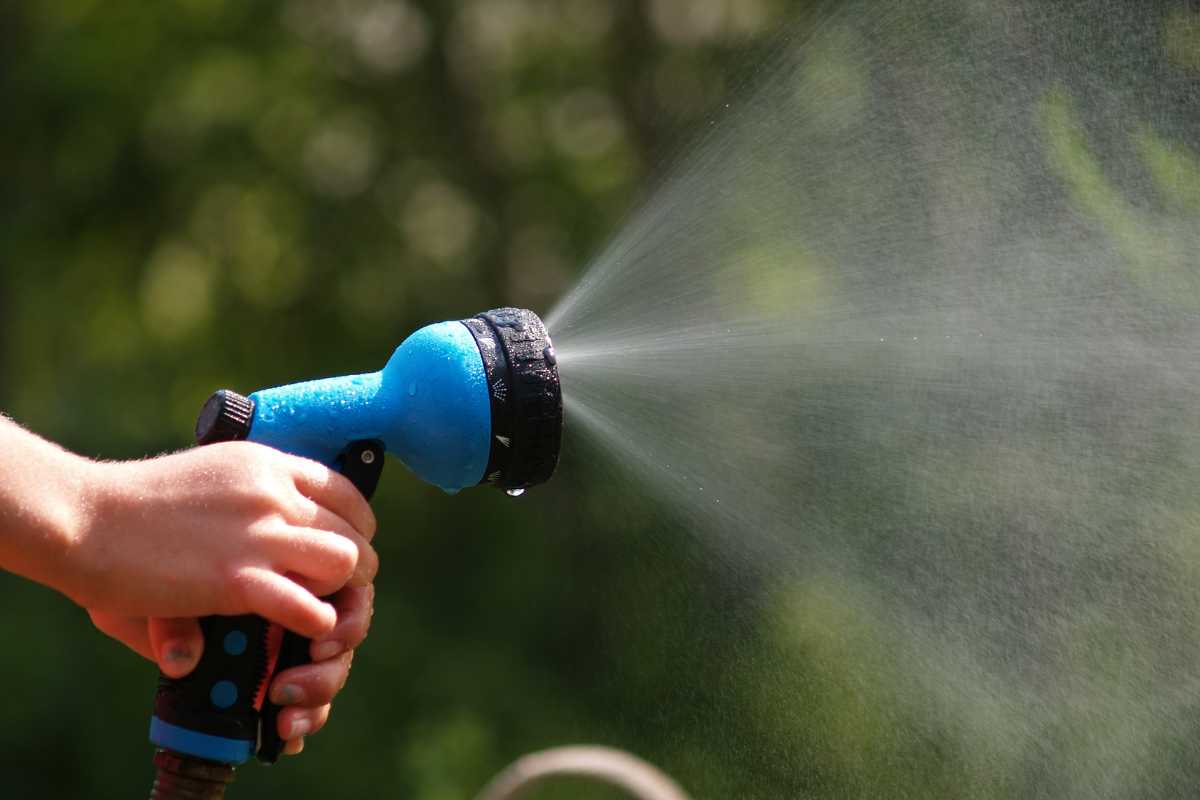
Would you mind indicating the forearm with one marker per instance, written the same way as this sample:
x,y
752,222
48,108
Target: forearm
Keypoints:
x,y
43,505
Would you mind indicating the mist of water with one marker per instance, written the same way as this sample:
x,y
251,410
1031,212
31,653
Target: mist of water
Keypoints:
x,y
914,326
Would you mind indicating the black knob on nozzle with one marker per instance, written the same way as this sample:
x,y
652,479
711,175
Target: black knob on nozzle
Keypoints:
x,y
525,395
225,417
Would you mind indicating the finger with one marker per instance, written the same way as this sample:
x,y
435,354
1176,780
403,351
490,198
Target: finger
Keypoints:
x,y
177,643
311,685
325,560
364,564
294,747
129,631
368,561
295,723
355,606
336,493
282,600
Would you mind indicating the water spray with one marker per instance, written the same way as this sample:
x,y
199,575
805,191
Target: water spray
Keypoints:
x,y
460,403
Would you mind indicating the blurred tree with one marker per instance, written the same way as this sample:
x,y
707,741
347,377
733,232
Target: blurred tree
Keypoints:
x,y
207,193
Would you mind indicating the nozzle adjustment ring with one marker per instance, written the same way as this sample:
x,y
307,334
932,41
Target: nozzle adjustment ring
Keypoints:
x,y
525,396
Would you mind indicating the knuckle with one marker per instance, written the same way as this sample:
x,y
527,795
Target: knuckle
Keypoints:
x,y
332,681
343,555
369,522
239,582
370,562
258,493
302,509
268,489
270,528
244,589
313,471
356,630
250,459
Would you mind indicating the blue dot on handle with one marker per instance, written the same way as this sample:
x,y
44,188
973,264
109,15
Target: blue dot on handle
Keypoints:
x,y
223,694
235,643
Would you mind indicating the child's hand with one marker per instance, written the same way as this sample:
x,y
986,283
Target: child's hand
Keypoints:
x,y
234,528
228,528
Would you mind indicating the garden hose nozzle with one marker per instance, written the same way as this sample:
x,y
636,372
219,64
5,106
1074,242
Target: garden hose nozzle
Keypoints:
x,y
462,403
475,401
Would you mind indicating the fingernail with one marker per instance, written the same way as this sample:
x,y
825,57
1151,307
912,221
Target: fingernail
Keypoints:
x,y
178,651
299,728
287,695
294,747
326,650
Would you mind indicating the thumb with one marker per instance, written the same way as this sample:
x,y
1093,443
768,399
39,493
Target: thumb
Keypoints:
x,y
177,644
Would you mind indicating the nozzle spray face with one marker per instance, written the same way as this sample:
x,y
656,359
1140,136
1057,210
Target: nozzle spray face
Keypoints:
x,y
525,396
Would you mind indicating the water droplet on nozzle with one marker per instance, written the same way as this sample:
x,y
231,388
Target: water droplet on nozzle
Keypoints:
x,y
514,492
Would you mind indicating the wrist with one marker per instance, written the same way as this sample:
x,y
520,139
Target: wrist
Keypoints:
x,y
43,508
94,492
70,526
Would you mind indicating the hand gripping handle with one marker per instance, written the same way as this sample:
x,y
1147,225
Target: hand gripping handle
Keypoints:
x,y
362,463
220,711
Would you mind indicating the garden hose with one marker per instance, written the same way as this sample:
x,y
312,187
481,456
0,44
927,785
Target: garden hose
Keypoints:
x,y
640,780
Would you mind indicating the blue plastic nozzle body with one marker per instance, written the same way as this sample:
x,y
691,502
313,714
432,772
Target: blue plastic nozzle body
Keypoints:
x,y
429,406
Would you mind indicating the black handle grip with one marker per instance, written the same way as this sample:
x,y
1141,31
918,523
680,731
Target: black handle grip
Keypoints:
x,y
217,698
362,463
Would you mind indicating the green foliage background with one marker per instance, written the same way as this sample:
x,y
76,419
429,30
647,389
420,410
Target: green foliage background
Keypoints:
x,y
243,193
201,194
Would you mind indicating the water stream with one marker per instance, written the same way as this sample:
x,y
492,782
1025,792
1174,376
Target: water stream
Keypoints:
x,y
910,332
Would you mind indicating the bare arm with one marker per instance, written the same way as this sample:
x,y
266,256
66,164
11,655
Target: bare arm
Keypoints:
x,y
43,506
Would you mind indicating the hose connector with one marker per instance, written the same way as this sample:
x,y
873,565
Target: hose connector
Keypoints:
x,y
183,777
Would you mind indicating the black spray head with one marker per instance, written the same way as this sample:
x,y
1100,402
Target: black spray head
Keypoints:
x,y
525,394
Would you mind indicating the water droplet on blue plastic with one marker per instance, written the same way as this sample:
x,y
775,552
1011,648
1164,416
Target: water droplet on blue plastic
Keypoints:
x,y
412,389
514,492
